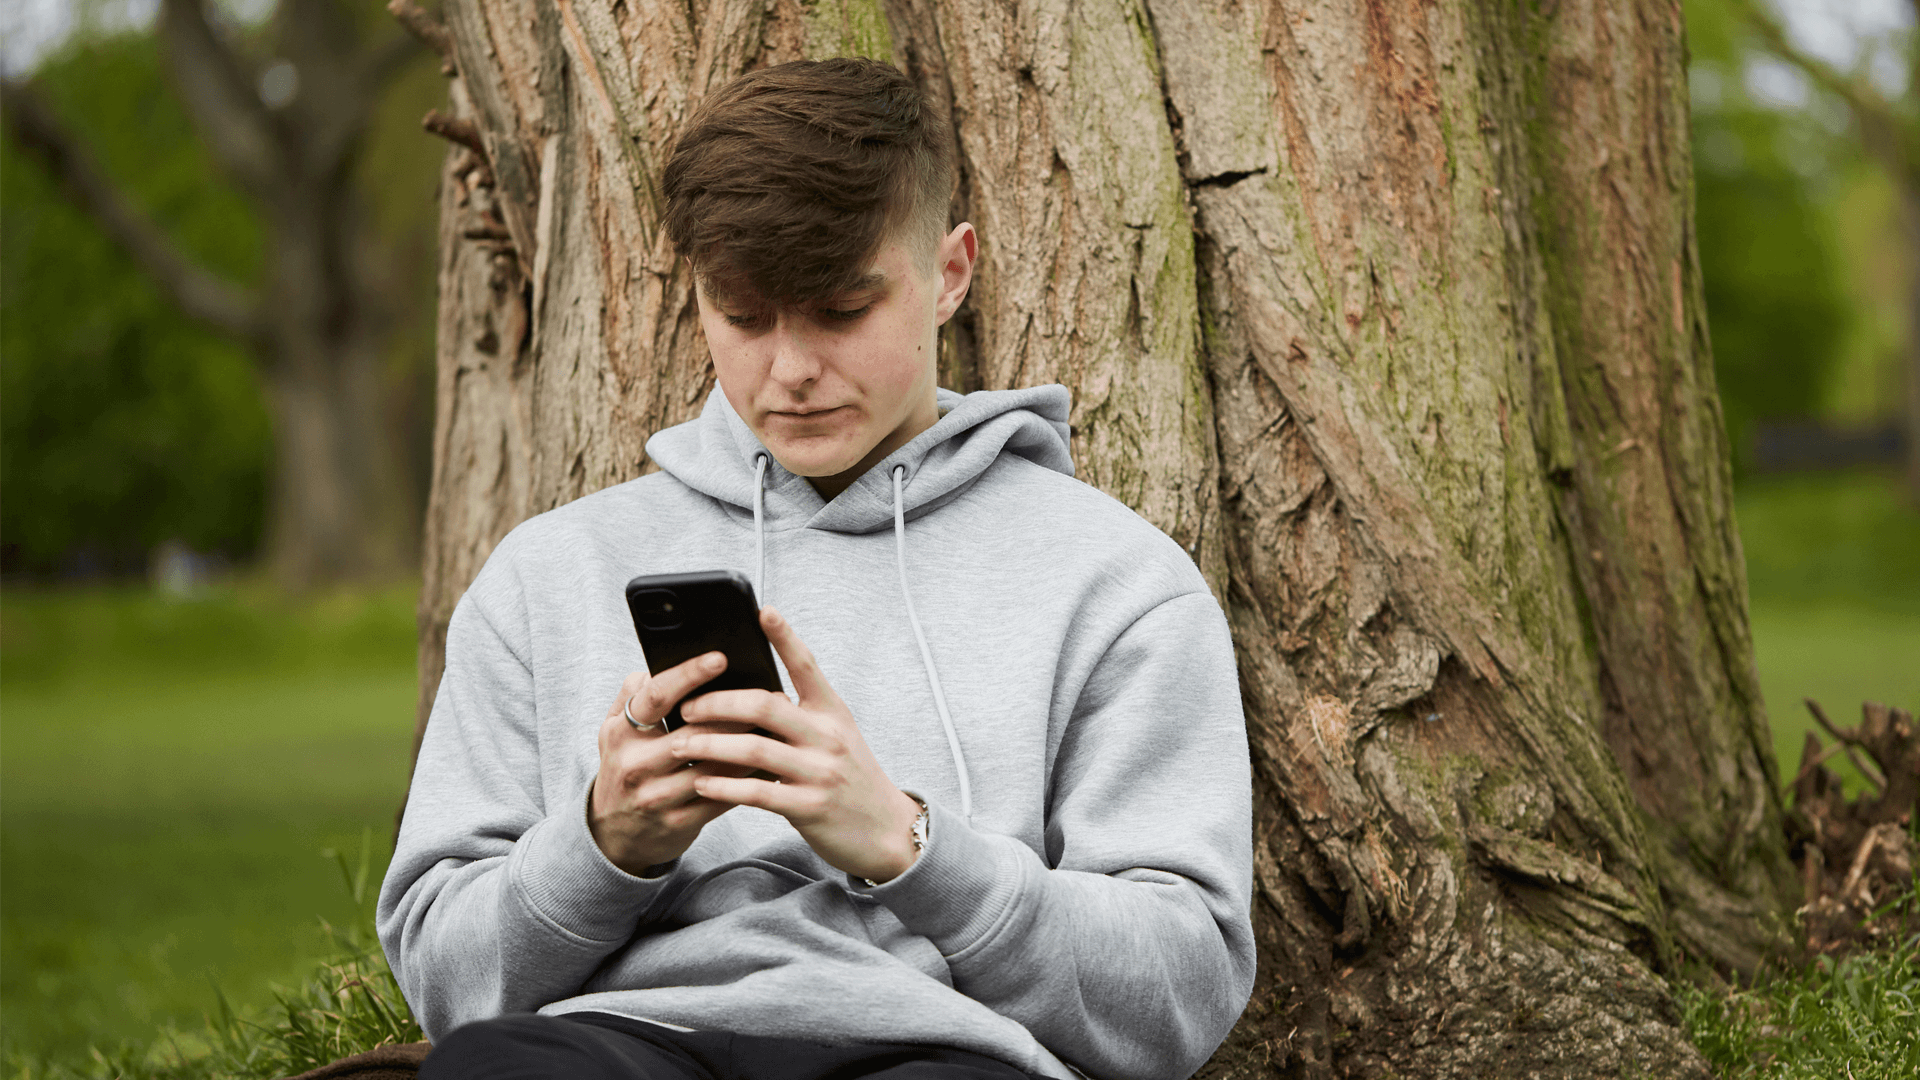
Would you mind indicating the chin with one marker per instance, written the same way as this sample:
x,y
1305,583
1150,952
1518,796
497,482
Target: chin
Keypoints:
x,y
801,462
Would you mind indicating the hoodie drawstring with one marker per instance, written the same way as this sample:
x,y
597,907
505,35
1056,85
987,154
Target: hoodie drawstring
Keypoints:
x,y
900,551
926,654
759,536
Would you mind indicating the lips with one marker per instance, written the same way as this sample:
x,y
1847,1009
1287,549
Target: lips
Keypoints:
x,y
806,415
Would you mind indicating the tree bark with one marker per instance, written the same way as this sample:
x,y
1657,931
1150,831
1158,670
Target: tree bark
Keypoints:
x,y
1388,311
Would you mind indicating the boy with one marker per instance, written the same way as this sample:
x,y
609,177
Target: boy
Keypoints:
x,y
1000,832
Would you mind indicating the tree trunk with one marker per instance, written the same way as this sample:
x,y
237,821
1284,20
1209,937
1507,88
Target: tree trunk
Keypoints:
x,y
1389,313
342,502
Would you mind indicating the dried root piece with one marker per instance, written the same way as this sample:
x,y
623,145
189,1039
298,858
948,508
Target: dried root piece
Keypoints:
x,y
1856,855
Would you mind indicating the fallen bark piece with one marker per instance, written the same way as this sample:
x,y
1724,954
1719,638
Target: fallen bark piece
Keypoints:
x,y
396,1061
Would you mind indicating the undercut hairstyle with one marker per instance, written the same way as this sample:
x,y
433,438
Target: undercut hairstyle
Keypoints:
x,y
789,180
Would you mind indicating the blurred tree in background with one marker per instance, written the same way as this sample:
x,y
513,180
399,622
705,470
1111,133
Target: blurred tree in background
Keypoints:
x,y
1808,255
218,293
1774,298
123,424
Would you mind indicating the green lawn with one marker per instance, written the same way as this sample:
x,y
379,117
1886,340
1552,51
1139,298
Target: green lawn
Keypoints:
x,y
170,774
1833,572
171,771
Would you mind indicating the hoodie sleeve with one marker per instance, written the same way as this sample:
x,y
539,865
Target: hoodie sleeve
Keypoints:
x,y
496,902
1132,954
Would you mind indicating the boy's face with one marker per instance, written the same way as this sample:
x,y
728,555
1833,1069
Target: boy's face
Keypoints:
x,y
833,387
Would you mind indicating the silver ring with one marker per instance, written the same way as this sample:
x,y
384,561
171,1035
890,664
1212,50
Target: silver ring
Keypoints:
x,y
631,722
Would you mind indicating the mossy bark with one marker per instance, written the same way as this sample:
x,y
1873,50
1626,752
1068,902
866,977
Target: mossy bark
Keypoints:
x,y
1388,311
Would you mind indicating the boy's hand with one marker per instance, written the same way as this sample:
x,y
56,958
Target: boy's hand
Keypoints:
x,y
829,785
645,810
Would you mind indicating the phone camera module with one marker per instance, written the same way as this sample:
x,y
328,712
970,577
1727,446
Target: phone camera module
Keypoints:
x,y
656,609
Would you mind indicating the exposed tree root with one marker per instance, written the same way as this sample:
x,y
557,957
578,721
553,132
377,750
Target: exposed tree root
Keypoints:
x,y
1856,855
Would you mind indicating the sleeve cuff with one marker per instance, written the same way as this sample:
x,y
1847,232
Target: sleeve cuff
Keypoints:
x,y
961,889
561,873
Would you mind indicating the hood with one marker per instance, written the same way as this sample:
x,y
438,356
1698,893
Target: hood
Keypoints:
x,y
718,456
714,455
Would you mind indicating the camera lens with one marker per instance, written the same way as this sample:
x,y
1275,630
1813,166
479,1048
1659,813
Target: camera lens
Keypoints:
x,y
654,609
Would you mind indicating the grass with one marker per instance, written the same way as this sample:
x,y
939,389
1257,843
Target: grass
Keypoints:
x,y
1857,1017
1833,573
346,1004
172,773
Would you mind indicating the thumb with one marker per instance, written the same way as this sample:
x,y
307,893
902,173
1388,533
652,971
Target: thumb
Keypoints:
x,y
809,683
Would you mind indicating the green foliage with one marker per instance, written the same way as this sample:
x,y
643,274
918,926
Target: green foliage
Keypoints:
x,y
1775,294
122,424
1799,243
1772,284
1857,1017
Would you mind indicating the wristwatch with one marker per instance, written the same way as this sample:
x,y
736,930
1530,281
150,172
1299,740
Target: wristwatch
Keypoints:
x,y
919,832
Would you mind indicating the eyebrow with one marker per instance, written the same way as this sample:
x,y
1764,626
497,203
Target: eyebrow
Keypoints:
x,y
872,279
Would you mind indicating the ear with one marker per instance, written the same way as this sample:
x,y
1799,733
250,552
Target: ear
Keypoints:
x,y
955,258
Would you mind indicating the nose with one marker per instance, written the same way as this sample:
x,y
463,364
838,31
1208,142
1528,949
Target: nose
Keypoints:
x,y
794,363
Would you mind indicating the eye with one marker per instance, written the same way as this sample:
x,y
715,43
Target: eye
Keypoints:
x,y
844,314
744,322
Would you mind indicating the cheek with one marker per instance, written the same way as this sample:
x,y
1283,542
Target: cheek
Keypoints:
x,y
898,355
732,358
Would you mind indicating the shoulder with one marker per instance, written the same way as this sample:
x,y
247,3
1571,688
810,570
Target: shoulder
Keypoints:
x,y
591,527
610,512
1081,530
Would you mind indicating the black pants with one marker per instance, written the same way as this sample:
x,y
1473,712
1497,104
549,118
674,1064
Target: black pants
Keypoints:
x,y
597,1046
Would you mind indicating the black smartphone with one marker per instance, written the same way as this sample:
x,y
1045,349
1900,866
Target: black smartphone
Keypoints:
x,y
681,616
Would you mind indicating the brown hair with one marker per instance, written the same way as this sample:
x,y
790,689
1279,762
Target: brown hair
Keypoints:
x,y
789,179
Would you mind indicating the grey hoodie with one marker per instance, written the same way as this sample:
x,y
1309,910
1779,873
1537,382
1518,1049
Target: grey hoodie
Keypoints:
x,y
1072,722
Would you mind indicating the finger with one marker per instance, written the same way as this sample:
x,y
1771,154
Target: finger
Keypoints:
x,y
744,710
749,752
615,724
636,763
661,793
787,800
809,684
695,813
661,692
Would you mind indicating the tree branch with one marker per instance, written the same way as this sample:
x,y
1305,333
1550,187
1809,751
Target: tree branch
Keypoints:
x,y
220,96
1846,740
425,26
1878,121
343,120
455,129
196,291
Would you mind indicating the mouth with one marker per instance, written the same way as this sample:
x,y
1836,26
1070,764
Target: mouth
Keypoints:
x,y
805,414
